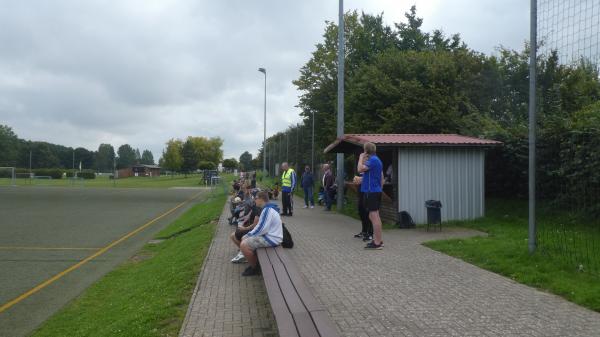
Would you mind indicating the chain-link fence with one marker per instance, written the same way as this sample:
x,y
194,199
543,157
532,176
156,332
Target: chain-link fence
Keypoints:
x,y
568,166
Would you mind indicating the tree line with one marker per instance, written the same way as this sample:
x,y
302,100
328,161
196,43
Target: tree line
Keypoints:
x,y
401,79
17,152
195,153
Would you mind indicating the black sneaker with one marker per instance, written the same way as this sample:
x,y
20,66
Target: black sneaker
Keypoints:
x,y
367,237
359,235
373,246
251,271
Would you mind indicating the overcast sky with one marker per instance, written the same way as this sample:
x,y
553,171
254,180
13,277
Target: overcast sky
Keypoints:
x,y
81,73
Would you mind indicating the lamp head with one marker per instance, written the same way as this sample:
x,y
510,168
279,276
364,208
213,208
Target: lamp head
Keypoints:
x,y
263,70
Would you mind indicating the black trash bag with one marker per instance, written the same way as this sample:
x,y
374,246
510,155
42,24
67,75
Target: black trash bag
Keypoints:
x,y
287,238
433,204
405,220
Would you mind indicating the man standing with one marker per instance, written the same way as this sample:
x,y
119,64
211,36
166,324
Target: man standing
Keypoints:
x,y
307,185
372,169
267,233
328,181
366,234
288,184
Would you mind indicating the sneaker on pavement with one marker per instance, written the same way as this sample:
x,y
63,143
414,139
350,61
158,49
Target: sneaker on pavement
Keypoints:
x,y
312,206
368,237
239,258
359,235
304,206
372,246
251,271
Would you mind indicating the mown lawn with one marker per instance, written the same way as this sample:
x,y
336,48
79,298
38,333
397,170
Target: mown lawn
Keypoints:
x,y
148,295
103,181
504,250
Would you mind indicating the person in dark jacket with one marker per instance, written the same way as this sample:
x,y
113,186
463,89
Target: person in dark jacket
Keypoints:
x,y
366,234
307,185
328,181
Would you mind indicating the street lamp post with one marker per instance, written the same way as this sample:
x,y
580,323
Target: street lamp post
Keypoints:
x,y
264,71
340,105
312,151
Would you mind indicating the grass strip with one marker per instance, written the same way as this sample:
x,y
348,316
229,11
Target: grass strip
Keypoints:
x,y
504,251
149,294
194,180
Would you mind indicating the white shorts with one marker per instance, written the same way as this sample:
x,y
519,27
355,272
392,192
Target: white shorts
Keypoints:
x,y
256,242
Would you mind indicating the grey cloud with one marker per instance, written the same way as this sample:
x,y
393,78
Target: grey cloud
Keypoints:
x,y
140,72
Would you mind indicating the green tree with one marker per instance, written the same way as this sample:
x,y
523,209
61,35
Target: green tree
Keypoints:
x,y
125,156
147,158
206,165
138,156
246,161
105,157
171,157
42,155
9,146
84,156
207,149
230,164
190,156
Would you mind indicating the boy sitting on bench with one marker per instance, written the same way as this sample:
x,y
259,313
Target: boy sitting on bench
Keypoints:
x,y
267,233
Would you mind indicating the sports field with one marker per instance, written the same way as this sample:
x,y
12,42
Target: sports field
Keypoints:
x,y
56,241
194,180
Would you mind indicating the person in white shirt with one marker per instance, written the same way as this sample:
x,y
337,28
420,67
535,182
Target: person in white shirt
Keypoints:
x,y
267,233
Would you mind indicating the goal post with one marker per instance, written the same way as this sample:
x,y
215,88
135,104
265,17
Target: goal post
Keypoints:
x,y
9,173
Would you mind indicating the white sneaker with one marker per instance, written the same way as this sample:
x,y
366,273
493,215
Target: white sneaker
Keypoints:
x,y
304,206
312,206
239,258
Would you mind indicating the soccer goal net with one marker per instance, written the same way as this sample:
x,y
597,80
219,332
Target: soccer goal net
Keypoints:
x,y
7,176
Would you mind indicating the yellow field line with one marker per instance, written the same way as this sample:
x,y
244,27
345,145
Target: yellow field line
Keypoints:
x,y
46,248
54,278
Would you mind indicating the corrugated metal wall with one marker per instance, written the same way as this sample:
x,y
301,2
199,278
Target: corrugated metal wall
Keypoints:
x,y
455,176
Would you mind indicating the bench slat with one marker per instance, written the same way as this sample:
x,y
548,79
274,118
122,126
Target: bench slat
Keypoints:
x,y
305,324
324,324
292,299
285,321
297,312
309,300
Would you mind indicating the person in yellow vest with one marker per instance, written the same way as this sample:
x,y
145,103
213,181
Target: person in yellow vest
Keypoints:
x,y
288,185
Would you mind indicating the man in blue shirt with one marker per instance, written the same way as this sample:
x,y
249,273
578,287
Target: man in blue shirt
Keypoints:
x,y
371,186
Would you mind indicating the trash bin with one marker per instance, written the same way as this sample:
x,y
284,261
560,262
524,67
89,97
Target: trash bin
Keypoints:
x,y
434,213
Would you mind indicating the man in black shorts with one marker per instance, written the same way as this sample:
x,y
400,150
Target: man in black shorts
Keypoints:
x,y
371,186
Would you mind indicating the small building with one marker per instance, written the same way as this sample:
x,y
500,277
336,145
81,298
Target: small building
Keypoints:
x,y
139,171
419,167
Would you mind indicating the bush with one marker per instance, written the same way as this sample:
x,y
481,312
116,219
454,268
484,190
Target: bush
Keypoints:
x,y
85,174
53,173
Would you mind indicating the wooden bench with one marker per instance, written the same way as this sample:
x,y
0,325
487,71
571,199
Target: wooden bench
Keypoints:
x,y
296,310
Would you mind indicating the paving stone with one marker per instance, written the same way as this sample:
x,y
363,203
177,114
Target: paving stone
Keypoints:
x,y
406,289
224,303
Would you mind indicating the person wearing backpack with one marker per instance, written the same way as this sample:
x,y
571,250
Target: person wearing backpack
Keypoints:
x,y
267,233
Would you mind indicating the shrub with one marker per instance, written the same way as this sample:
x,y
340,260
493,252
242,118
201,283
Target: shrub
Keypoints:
x,y
53,173
85,174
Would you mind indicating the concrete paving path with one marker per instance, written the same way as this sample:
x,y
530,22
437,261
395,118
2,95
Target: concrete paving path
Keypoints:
x,y
405,289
